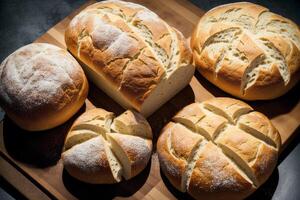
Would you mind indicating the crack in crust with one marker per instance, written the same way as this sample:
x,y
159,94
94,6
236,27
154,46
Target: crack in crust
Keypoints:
x,y
251,73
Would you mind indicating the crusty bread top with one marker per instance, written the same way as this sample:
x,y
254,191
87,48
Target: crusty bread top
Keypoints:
x,y
219,145
248,45
98,121
39,78
128,44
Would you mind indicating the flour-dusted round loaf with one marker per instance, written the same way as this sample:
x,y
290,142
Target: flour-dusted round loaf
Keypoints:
x,y
130,53
101,148
247,51
41,86
218,149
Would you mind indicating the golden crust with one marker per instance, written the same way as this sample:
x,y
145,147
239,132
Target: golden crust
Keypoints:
x,y
218,149
132,123
260,123
173,151
172,167
212,168
247,51
95,113
42,86
136,149
128,45
189,116
180,136
88,162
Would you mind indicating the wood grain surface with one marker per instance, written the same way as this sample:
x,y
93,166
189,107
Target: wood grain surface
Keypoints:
x,y
37,155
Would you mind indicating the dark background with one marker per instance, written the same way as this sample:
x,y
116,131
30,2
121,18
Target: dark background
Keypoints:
x,y
21,22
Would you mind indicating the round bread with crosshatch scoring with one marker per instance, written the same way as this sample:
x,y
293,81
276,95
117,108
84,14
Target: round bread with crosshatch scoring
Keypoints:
x,y
247,51
218,149
101,148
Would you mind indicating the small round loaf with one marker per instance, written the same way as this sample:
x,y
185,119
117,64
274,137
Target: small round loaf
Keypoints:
x,y
41,86
101,148
247,51
218,149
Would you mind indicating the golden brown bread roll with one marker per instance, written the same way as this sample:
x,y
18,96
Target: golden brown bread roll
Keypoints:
x,y
247,51
218,149
130,53
101,148
41,86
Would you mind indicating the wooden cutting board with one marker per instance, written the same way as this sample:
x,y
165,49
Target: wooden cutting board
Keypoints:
x,y
31,161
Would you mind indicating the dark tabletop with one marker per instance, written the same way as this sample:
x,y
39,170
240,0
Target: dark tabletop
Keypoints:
x,y
21,22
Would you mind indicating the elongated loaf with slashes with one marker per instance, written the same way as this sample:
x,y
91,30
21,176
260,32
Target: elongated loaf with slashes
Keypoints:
x,y
101,148
130,53
218,149
41,86
247,51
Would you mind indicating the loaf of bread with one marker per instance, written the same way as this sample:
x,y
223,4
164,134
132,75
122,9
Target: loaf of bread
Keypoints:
x,y
101,148
218,149
130,53
41,86
247,51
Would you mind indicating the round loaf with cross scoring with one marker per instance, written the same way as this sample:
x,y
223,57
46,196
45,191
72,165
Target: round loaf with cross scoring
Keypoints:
x,y
247,51
130,53
218,149
101,148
